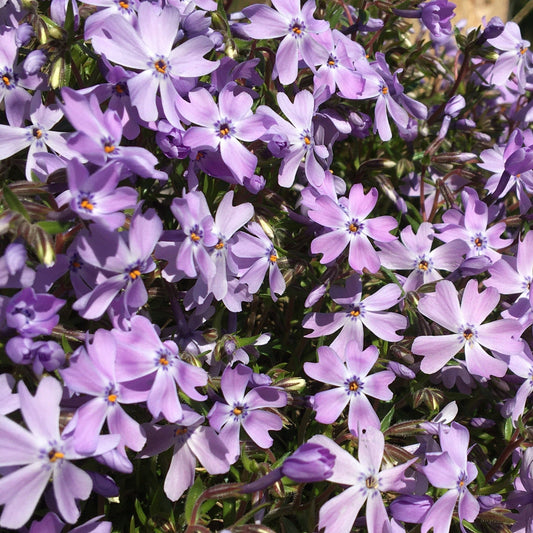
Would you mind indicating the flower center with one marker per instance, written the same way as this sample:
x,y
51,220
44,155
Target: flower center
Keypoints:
x,y
163,360
124,5
355,311
307,140
523,50
54,455
423,265
109,147
121,88
37,133
112,398
224,130
371,482
296,28
195,237
385,90
86,204
354,228
237,411
478,242
180,431
353,386
468,334
134,273
161,66
7,80
219,245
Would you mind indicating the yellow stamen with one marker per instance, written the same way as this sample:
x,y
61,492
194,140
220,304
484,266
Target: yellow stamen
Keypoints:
x,y
331,62
37,133
371,482
75,264
307,140
273,258
461,483
163,360
353,386
112,398
523,50
53,456
109,148
86,204
119,88
135,273
355,312
219,245
297,30
423,265
385,90
467,334
195,237
6,80
224,131
161,66
237,411
124,5
180,431
353,227
478,242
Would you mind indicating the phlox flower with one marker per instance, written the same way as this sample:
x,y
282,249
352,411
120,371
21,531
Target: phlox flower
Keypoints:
x,y
365,483
296,25
91,371
38,136
352,384
33,314
42,454
514,57
51,523
42,355
297,136
96,196
155,367
521,498
255,255
357,314
465,320
122,258
222,126
245,409
192,441
514,274
348,224
414,253
449,469
521,365
149,49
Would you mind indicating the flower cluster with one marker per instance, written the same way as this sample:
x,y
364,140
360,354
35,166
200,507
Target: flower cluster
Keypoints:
x,y
266,270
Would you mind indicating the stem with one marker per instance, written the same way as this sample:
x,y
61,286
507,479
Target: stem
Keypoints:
x,y
523,13
513,444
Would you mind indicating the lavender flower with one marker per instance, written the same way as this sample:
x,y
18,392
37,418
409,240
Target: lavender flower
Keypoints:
x,y
349,224
365,484
469,332
349,375
42,454
246,409
449,469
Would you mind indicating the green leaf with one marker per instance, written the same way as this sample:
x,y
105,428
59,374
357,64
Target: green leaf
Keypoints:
x,y
508,429
53,227
140,513
65,344
14,203
192,496
385,423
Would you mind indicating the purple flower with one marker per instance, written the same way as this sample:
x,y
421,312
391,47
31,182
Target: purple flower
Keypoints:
x,y
92,371
33,314
14,274
42,355
149,48
365,484
191,441
299,137
96,196
522,366
436,16
42,454
414,253
255,254
465,321
156,368
223,126
449,469
100,133
125,256
521,498
297,27
348,224
352,384
514,56
357,314
246,409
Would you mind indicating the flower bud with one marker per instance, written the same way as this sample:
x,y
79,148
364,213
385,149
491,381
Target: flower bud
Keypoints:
x,y
309,463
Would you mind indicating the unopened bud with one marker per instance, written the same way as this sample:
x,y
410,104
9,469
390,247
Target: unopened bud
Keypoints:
x,y
291,384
